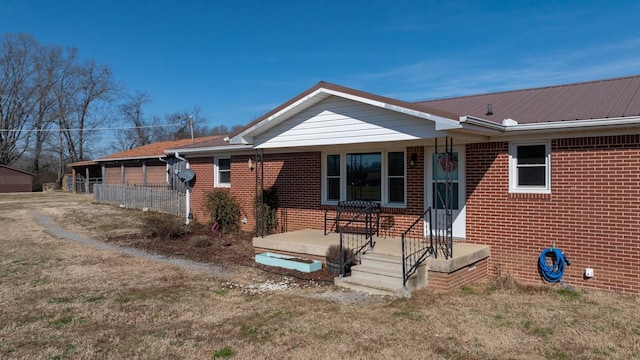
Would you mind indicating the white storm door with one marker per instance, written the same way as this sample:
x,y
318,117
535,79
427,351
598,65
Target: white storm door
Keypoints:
x,y
437,170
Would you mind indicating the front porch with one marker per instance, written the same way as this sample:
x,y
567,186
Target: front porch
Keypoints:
x,y
468,264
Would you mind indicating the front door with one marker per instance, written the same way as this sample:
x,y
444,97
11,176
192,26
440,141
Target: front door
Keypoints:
x,y
437,171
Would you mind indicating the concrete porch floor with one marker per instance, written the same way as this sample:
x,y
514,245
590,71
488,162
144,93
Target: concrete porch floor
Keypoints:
x,y
314,244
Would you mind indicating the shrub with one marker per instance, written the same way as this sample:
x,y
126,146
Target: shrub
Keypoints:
x,y
269,211
224,210
200,241
333,254
156,225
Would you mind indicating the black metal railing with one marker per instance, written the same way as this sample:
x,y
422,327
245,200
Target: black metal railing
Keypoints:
x,y
356,221
417,245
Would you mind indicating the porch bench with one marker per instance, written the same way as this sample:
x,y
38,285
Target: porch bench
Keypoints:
x,y
352,211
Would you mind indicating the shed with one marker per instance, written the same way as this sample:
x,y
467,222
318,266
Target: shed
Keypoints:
x,y
15,180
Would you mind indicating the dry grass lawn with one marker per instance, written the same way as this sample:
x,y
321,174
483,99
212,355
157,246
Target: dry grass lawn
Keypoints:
x,y
61,299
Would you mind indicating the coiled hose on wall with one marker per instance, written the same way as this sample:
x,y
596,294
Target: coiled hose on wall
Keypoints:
x,y
552,272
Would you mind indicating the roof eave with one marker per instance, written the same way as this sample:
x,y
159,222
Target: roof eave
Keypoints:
x,y
575,124
131,158
209,149
482,126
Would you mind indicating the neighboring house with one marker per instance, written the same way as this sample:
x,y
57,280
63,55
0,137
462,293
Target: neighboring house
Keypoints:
x,y
147,165
84,174
530,169
15,180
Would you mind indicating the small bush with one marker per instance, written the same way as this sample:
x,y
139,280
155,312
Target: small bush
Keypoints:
x,y
224,210
196,227
333,254
200,241
157,225
269,211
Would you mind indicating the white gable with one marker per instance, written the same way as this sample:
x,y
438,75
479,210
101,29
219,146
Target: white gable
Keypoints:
x,y
337,120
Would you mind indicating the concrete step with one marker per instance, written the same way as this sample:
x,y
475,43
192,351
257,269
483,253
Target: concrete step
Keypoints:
x,y
381,258
382,274
377,272
372,286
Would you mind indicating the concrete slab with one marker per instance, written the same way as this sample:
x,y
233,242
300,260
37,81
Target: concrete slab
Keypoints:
x,y
315,243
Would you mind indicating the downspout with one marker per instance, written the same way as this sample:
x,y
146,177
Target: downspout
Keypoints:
x,y
187,193
166,168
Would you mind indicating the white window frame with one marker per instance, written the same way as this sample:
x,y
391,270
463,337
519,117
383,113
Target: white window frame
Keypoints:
x,y
513,169
216,172
384,181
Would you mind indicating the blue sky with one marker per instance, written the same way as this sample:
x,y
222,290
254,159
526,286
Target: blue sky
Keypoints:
x,y
238,59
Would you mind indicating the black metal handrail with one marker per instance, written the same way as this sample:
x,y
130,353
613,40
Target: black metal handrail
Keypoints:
x,y
358,228
415,247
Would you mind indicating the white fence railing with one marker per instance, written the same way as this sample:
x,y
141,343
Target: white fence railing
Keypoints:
x,y
139,197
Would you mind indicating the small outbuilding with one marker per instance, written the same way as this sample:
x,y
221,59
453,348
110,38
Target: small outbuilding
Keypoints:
x,y
15,180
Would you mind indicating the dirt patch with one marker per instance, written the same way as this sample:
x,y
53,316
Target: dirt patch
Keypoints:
x,y
125,228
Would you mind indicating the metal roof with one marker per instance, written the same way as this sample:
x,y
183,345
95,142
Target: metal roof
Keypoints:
x,y
155,149
601,99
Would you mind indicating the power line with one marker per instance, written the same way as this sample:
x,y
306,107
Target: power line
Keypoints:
x,y
93,129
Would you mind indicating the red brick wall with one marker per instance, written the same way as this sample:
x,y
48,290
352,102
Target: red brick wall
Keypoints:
x,y
297,178
458,278
202,186
591,214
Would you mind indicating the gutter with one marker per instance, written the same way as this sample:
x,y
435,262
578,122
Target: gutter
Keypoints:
x,y
209,149
576,124
512,128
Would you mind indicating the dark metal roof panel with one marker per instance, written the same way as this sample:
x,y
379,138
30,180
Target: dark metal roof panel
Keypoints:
x,y
610,98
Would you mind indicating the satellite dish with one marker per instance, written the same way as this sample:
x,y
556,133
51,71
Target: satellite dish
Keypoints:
x,y
186,175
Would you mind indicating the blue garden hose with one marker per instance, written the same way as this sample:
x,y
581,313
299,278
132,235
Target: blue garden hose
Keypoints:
x,y
552,273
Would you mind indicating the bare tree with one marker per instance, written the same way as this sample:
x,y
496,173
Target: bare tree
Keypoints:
x,y
47,64
17,88
83,95
181,125
132,112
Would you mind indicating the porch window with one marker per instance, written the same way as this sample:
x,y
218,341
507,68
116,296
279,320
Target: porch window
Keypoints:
x,y
364,176
222,172
374,176
396,177
333,177
530,168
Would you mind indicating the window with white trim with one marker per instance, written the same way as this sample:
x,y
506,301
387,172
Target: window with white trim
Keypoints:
x,y
333,178
222,171
530,167
375,176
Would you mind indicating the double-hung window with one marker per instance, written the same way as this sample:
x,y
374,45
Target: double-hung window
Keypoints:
x,y
333,178
375,176
222,172
530,167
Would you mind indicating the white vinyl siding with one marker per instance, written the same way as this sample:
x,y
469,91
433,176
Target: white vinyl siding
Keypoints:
x,y
335,121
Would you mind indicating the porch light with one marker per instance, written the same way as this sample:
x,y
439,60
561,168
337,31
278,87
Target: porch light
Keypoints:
x,y
414,159
250,163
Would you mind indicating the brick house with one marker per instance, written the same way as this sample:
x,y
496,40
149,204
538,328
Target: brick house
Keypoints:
x,y
146,165
528,169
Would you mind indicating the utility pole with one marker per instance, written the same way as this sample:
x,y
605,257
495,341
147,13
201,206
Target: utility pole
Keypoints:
x,y
191,126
